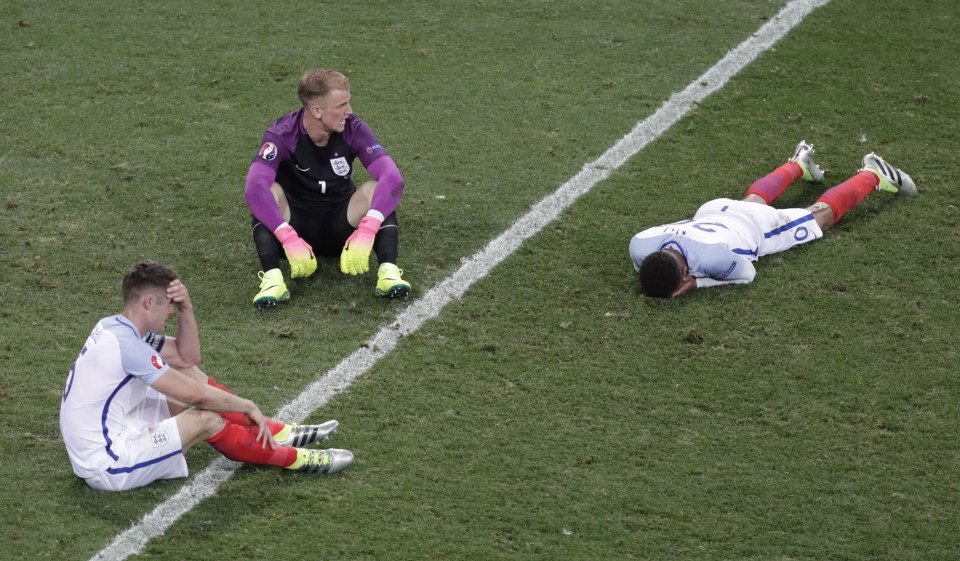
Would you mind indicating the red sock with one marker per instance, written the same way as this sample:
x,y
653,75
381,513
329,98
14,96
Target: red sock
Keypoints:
x,y
848,194
240,418
772,185
239,443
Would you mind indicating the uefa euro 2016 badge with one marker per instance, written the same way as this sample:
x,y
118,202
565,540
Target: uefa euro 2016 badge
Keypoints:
x,y
340,166
268,151
156,361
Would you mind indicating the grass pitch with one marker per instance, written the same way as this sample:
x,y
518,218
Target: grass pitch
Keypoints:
x,y
552,412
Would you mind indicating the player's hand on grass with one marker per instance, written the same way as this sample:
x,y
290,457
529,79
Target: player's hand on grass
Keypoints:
x,y
355,257
299,253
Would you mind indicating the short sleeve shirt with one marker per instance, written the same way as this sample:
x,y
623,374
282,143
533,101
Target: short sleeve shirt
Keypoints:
x,y
106,392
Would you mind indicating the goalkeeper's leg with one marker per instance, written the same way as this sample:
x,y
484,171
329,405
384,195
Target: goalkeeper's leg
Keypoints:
x,y
268,247
387,243
387,247
272,288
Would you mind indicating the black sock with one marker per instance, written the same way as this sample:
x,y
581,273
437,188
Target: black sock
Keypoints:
x,y
268,248
387,242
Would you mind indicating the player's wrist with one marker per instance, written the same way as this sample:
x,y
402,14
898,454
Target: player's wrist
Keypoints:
x,y
285,233
371,222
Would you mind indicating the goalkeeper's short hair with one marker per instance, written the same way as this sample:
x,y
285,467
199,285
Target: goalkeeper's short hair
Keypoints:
x,y
660,275
318,82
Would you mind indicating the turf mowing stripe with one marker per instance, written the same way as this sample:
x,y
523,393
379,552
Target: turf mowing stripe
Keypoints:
x,y
206,483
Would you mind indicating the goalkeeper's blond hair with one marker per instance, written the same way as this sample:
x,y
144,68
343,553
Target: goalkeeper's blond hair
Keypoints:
x,y
318,82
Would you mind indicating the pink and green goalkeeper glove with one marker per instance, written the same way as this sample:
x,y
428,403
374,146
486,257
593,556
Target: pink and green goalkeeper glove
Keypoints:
x,y
355,257
299,253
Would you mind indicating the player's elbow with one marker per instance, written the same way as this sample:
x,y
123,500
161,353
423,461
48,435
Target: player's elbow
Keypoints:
x,y
190,359
393,181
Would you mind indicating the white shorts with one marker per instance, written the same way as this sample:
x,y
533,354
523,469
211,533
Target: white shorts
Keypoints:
x,y
778,229
144,457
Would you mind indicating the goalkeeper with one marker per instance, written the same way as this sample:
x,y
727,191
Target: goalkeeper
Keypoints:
x,y
304,202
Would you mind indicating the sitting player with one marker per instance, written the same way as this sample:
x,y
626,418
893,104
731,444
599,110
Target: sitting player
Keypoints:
x,y
128,417
303,200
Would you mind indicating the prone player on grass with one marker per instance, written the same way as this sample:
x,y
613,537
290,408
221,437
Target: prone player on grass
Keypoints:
x,y
135,401
719,244
304,202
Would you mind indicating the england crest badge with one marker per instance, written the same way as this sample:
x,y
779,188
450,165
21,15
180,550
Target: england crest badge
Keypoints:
x,y
340,166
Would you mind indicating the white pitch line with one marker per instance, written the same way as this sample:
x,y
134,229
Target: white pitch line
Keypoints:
x,y
206,483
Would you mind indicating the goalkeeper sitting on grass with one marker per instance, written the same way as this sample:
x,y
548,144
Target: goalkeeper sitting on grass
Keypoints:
x,y
304,201
719,244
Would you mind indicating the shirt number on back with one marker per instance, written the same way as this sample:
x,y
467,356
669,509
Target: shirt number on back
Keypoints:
x,y
706,226
73,370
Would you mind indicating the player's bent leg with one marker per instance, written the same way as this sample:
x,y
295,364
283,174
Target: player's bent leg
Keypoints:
x,y
783,229
238,443
823,214
849,194
144,457
197,425
769,187
387,247
360,203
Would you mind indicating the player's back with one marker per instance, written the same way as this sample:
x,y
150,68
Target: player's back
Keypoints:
x,y
101,400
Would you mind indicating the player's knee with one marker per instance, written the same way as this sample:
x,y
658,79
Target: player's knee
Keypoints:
x,y
367,188
208,422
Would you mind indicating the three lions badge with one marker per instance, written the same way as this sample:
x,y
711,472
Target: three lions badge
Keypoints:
x,y
340,166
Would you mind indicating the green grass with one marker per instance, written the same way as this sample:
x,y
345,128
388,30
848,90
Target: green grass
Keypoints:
x,y
553,412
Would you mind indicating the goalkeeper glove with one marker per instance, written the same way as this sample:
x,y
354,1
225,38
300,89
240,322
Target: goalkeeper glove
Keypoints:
x,y
355,257
299,253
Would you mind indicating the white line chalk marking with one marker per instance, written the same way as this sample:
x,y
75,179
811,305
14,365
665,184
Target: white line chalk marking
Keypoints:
x,y
206,483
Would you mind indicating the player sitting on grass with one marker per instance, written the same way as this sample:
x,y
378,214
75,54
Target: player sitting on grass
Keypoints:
x,y
128,417
718,245
303,200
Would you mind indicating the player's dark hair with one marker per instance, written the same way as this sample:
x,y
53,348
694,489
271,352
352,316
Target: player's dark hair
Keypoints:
x,y
318,82
147,275
660,275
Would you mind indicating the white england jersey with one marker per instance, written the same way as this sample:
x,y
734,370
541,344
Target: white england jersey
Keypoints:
x,y
108,394
725,236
